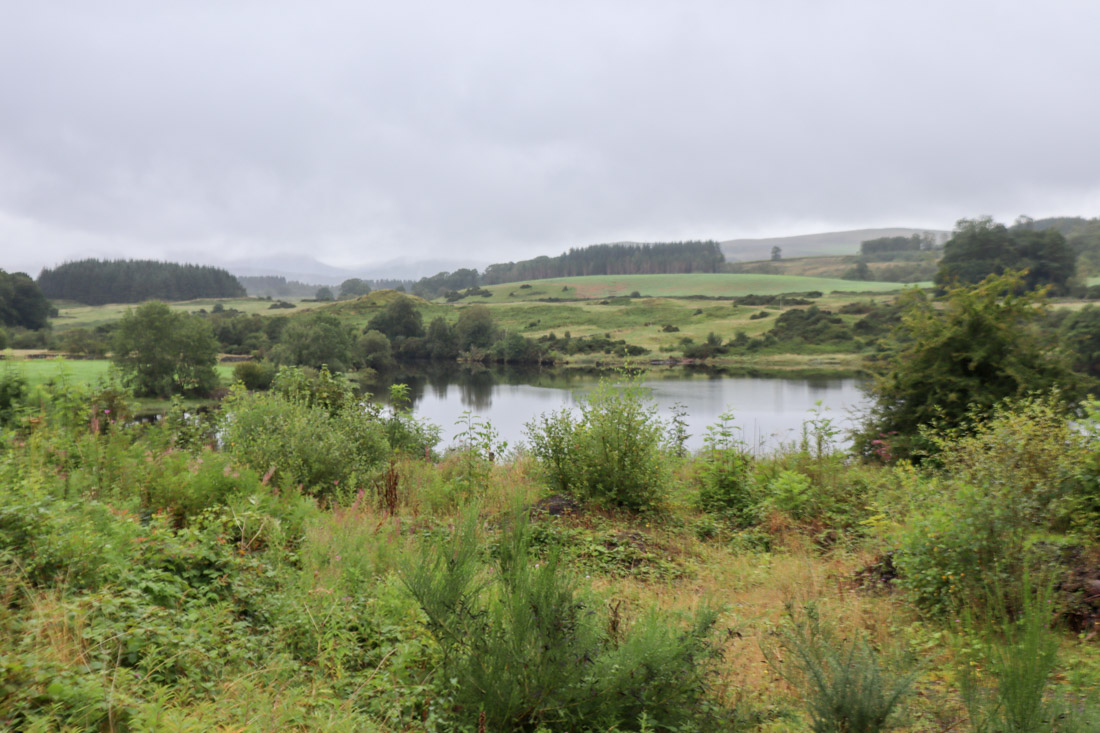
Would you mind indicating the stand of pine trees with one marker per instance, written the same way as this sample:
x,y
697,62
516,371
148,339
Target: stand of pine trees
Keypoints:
x,y
96,282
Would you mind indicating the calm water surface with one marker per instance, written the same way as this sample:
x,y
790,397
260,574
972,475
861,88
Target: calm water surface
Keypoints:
x,y
769,411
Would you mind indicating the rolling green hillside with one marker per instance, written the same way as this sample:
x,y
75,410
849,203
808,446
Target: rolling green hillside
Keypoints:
x,y
677,286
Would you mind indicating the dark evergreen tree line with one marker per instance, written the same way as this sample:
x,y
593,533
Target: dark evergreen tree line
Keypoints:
x,y
276,286
443,282
613,259
96,282
599,259
869,248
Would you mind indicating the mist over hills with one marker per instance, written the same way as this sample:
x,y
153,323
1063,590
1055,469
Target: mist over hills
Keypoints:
x,y
309,270
306,269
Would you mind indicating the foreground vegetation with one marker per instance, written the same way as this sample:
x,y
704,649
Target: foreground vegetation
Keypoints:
x,y
325,568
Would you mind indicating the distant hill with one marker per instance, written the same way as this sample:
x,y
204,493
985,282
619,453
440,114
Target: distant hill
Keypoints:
x,y
810,245
309,270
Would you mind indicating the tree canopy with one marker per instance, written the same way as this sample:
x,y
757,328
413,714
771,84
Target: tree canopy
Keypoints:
x,y
317,340
96,282
163,352
982,346
354,287
398,320
982,247
22,302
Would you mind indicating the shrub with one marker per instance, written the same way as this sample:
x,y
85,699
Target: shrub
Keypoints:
x,y
254,375
791,493
610,454
725,472
811,325
299,443
1017,653
523,650
845,685
187,485
1026,452
969,537
13,388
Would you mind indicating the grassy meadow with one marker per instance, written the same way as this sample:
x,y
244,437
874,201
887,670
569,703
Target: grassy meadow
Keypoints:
x,y
714,285
75,315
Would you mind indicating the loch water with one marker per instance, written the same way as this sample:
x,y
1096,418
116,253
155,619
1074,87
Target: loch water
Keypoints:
x,y
770,411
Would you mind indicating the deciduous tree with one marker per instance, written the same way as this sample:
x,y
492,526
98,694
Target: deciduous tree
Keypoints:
x,y
163,352
981,346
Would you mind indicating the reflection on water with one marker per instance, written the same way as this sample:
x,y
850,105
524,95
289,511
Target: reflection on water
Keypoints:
x,y
769,411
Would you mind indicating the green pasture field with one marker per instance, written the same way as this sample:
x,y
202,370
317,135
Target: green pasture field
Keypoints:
x,y
715,285
72,371
74,315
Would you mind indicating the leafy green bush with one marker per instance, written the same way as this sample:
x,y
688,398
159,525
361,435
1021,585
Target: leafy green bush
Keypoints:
x,y
845,685
68,543
1026,452
950,550
404,432
523,650
186,485
1018,473
295,443
314,388
610,454
254,375
724,472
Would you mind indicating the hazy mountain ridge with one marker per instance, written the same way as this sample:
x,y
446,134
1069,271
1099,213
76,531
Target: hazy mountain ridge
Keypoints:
x,y
309,270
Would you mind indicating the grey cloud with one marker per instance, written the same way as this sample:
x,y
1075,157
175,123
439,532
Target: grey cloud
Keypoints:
x,y
360,132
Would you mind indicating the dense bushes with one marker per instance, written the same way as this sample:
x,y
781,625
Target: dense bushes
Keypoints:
x,y
982,345
1003,483
610,453
302,444
810,325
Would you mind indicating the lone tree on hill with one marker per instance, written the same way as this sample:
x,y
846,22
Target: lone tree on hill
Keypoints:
x,y
353,287
163,352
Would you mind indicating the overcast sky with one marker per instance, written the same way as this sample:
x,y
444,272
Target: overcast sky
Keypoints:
x,y
360,132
